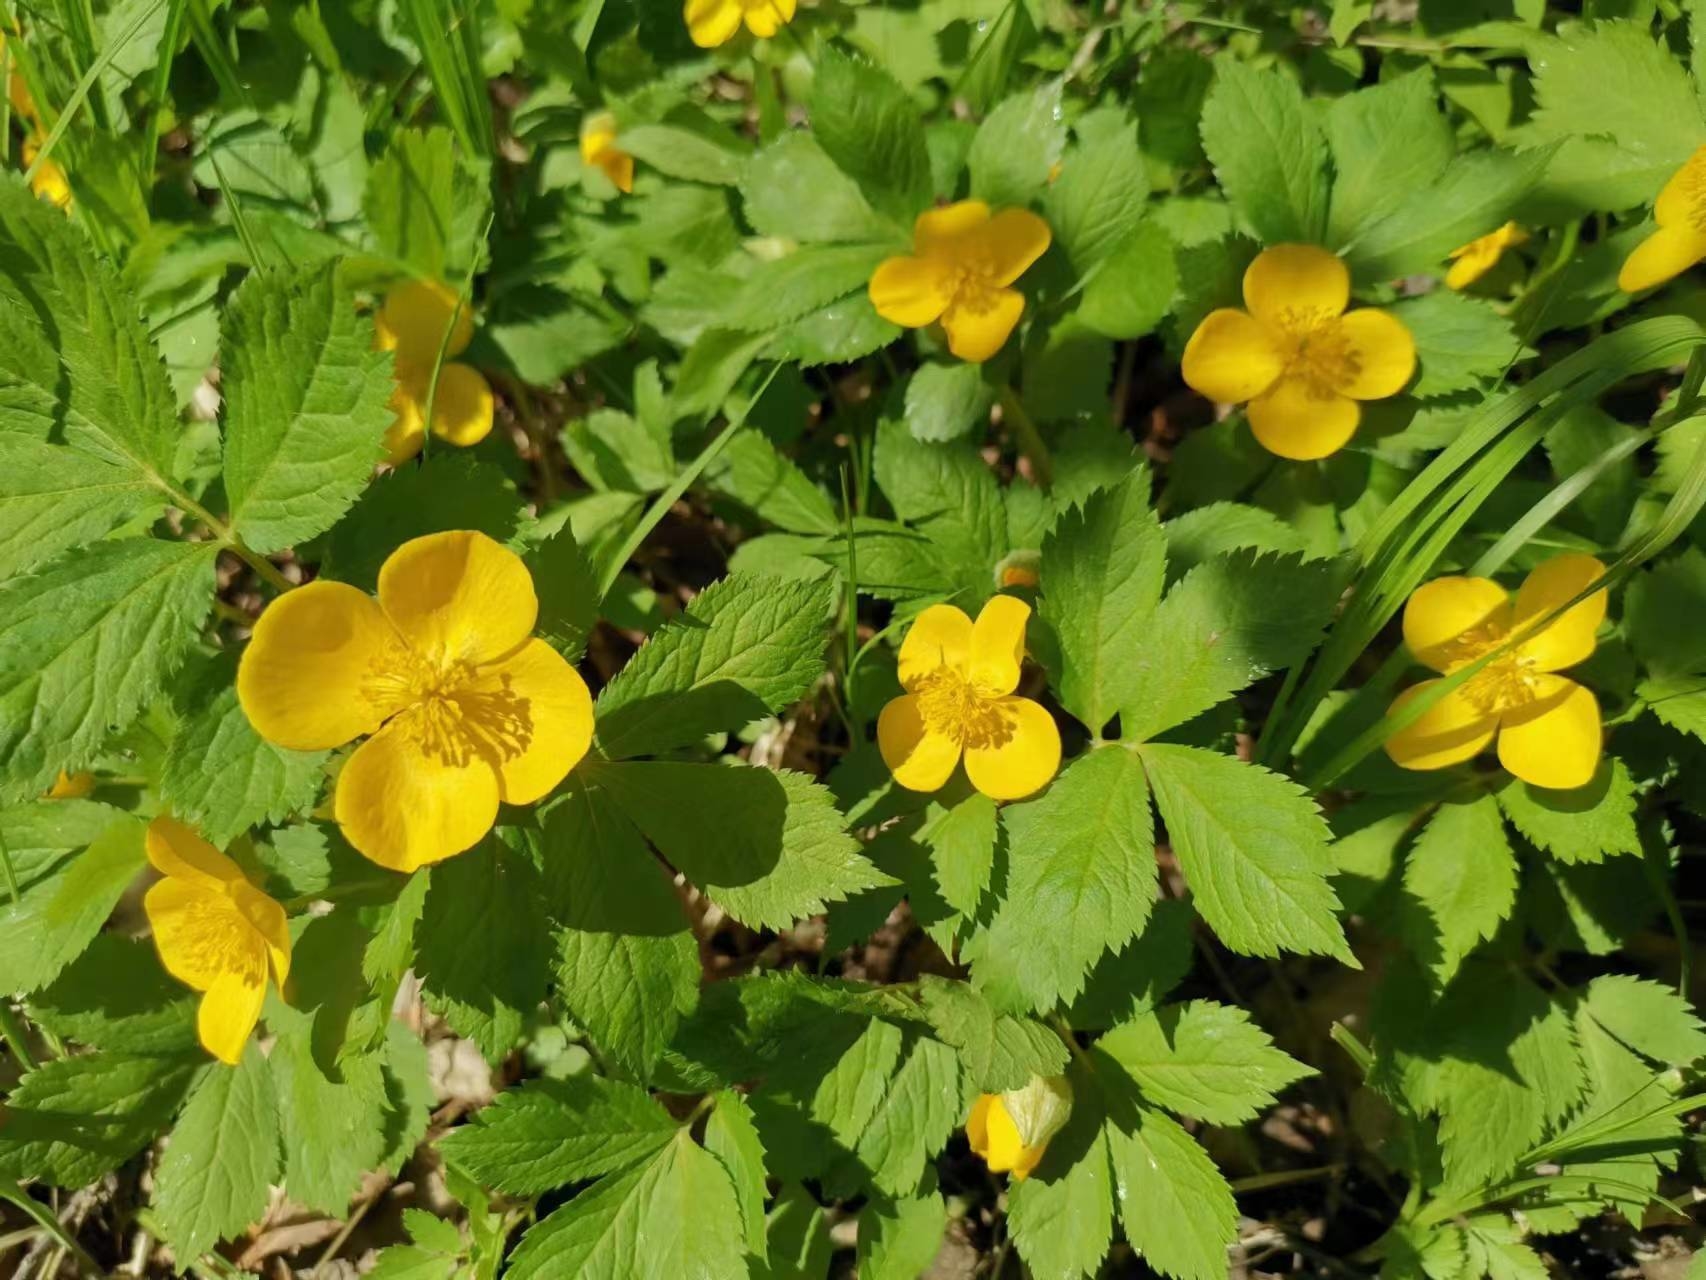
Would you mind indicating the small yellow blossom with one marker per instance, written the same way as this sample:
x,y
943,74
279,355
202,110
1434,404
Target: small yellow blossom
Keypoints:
x,y
216,933
1472,261
464,706
16,89
1296,356
1010,1131
412,324
49,182
963,259
959,678
71,786
599,149
1548,727
715,22
1680,240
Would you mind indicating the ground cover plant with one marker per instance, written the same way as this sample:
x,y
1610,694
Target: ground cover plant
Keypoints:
x,y
920,638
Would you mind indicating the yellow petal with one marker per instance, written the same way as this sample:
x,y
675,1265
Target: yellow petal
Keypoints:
x,y
918,759
1013,239
712,22
598,131
305,679
1441,612
941,636
228,1014
979,325
1003,1149
1662,256
404,803
407,432
1384,354
1023,760
766,17
413,319
977,1125
1472,261
538,714
1570,639
1451,731
458,595
1292,421
50,182
200,933
998,644
1555,740
911,292
175,849
1681,198
267,919
1296,278
71,786
461,404
1231,358
618,166
946,229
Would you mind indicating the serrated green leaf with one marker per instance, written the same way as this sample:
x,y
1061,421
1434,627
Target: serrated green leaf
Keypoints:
x,y
1175,1206
1268,151
1253,849
87,643
1132,289
998,1052
752,471
1204,1060
747,647
53,498
682,153
925,1101
732,1138
425,203
568,593
1459,341
1388,141
810,278
62,905
1096,201
1650,1019
792,189
74,1119
1588,824
225,1154
333,1130
116,996
961,840
845,330
1127,983
1062,1216
899,1239
1664,609
1459,884
947,493
871,127
1199,535
946,401
410,1262
612,450
1016,146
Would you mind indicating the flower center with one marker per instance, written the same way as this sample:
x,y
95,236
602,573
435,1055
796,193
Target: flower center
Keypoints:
x,y
1501,685
223,940
972,282
454,716
957,708
1317,352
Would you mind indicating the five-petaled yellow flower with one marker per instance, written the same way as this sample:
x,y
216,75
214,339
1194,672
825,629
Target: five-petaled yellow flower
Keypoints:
x,y
465,707
1472,261
1296,356
1011,1131
1547,726
216,933
963,259
412,324
959,678
715,22
1680,240
599,149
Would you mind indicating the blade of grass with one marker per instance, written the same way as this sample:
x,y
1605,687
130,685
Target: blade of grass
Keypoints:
x,y
448,38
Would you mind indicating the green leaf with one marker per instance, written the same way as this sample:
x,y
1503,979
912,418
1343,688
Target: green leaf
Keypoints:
x,y
1197,536
333,1130
1067,374
1176,1207
568,593
746,647
1389,141
1228,623
752,471
63,904
411,1262
1253,849
676,1216
1016,147
782,289
1082,857
116,996
1459,341
307,403
1203,1060
924,1102
1062,1216
1459,884
1588,824
846,330
1648,1018
682,153
793,190
946,401
899,1239
947,493
425,204
213,1179
613,451
1663,611
1127,983
731,1136
1096,202
1101,581
550,1132
873,129
961,840
1268,151
53,499
998,1052
1132,290
72,1120
769,847
85,645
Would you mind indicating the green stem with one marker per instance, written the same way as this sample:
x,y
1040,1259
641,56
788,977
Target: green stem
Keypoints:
x,y
12,1028
1028,438
228,538
38,1213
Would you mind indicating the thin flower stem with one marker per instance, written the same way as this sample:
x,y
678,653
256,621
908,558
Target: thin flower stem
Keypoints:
x,y
228,538
12,1028
1027,437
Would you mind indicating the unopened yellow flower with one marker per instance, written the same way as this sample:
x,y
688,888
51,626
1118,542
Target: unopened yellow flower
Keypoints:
x,y
963,259
49,182
1472,261
1548,727
71,786
412,323
1680,240
216,933
1296,356
715,22
599,149
959,678
465,707
1011,1131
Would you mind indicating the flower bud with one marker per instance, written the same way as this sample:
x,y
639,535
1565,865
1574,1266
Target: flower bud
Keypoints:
x,y
1010,1131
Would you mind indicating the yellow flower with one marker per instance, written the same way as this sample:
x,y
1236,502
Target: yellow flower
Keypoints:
x,y
715,22
1472,261
1011,1131
464,707
17,90
961,263
598,149
71,786
411,323
1680,240
959,678
1548,727
50,182
1296,356
216,933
